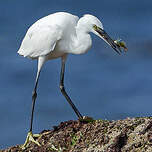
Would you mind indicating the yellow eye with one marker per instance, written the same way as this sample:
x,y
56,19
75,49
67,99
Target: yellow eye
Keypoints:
x,y
95,27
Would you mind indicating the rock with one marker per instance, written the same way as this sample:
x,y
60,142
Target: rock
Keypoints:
x,y
128,135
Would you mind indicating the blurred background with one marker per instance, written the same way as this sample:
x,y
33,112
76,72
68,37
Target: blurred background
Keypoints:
x,y
101,83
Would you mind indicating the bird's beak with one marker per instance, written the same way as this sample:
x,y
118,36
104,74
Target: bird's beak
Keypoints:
x,y
107,39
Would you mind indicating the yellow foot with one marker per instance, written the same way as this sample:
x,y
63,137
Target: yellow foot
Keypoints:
x,y
86,119
30,137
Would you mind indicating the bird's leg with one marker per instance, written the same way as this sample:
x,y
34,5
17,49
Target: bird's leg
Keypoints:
x,y
30,135
64,92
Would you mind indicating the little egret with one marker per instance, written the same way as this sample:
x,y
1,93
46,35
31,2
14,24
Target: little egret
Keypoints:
x,y
55,36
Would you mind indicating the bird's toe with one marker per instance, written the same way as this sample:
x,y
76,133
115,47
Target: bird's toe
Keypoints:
x,y
86,119
30,138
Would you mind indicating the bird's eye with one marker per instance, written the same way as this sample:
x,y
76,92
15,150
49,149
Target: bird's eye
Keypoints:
x,y
95,27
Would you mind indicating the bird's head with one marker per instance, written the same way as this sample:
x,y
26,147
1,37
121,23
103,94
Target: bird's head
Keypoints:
x,y
92,24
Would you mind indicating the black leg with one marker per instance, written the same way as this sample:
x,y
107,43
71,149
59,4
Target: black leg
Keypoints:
x,y
41,61
30,136
34,95
64,92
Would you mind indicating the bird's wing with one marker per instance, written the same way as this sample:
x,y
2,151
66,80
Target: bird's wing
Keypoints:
x,y
40,41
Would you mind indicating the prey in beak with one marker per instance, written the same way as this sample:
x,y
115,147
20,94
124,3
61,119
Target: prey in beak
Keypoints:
x,y
115,44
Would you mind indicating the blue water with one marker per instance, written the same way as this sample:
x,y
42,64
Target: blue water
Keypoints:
x,y
101,83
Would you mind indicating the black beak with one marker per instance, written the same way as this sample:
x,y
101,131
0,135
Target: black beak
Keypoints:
x,y
108,40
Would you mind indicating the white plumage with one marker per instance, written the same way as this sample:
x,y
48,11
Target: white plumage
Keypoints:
x,y
59,32
43,36
55,36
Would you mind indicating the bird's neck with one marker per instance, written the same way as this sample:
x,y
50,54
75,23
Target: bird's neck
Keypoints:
x,y
82,41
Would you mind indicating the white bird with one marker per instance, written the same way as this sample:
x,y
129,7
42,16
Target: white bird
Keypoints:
x,y
57,35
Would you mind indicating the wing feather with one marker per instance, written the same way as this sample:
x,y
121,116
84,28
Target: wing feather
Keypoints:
x,y
40,41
